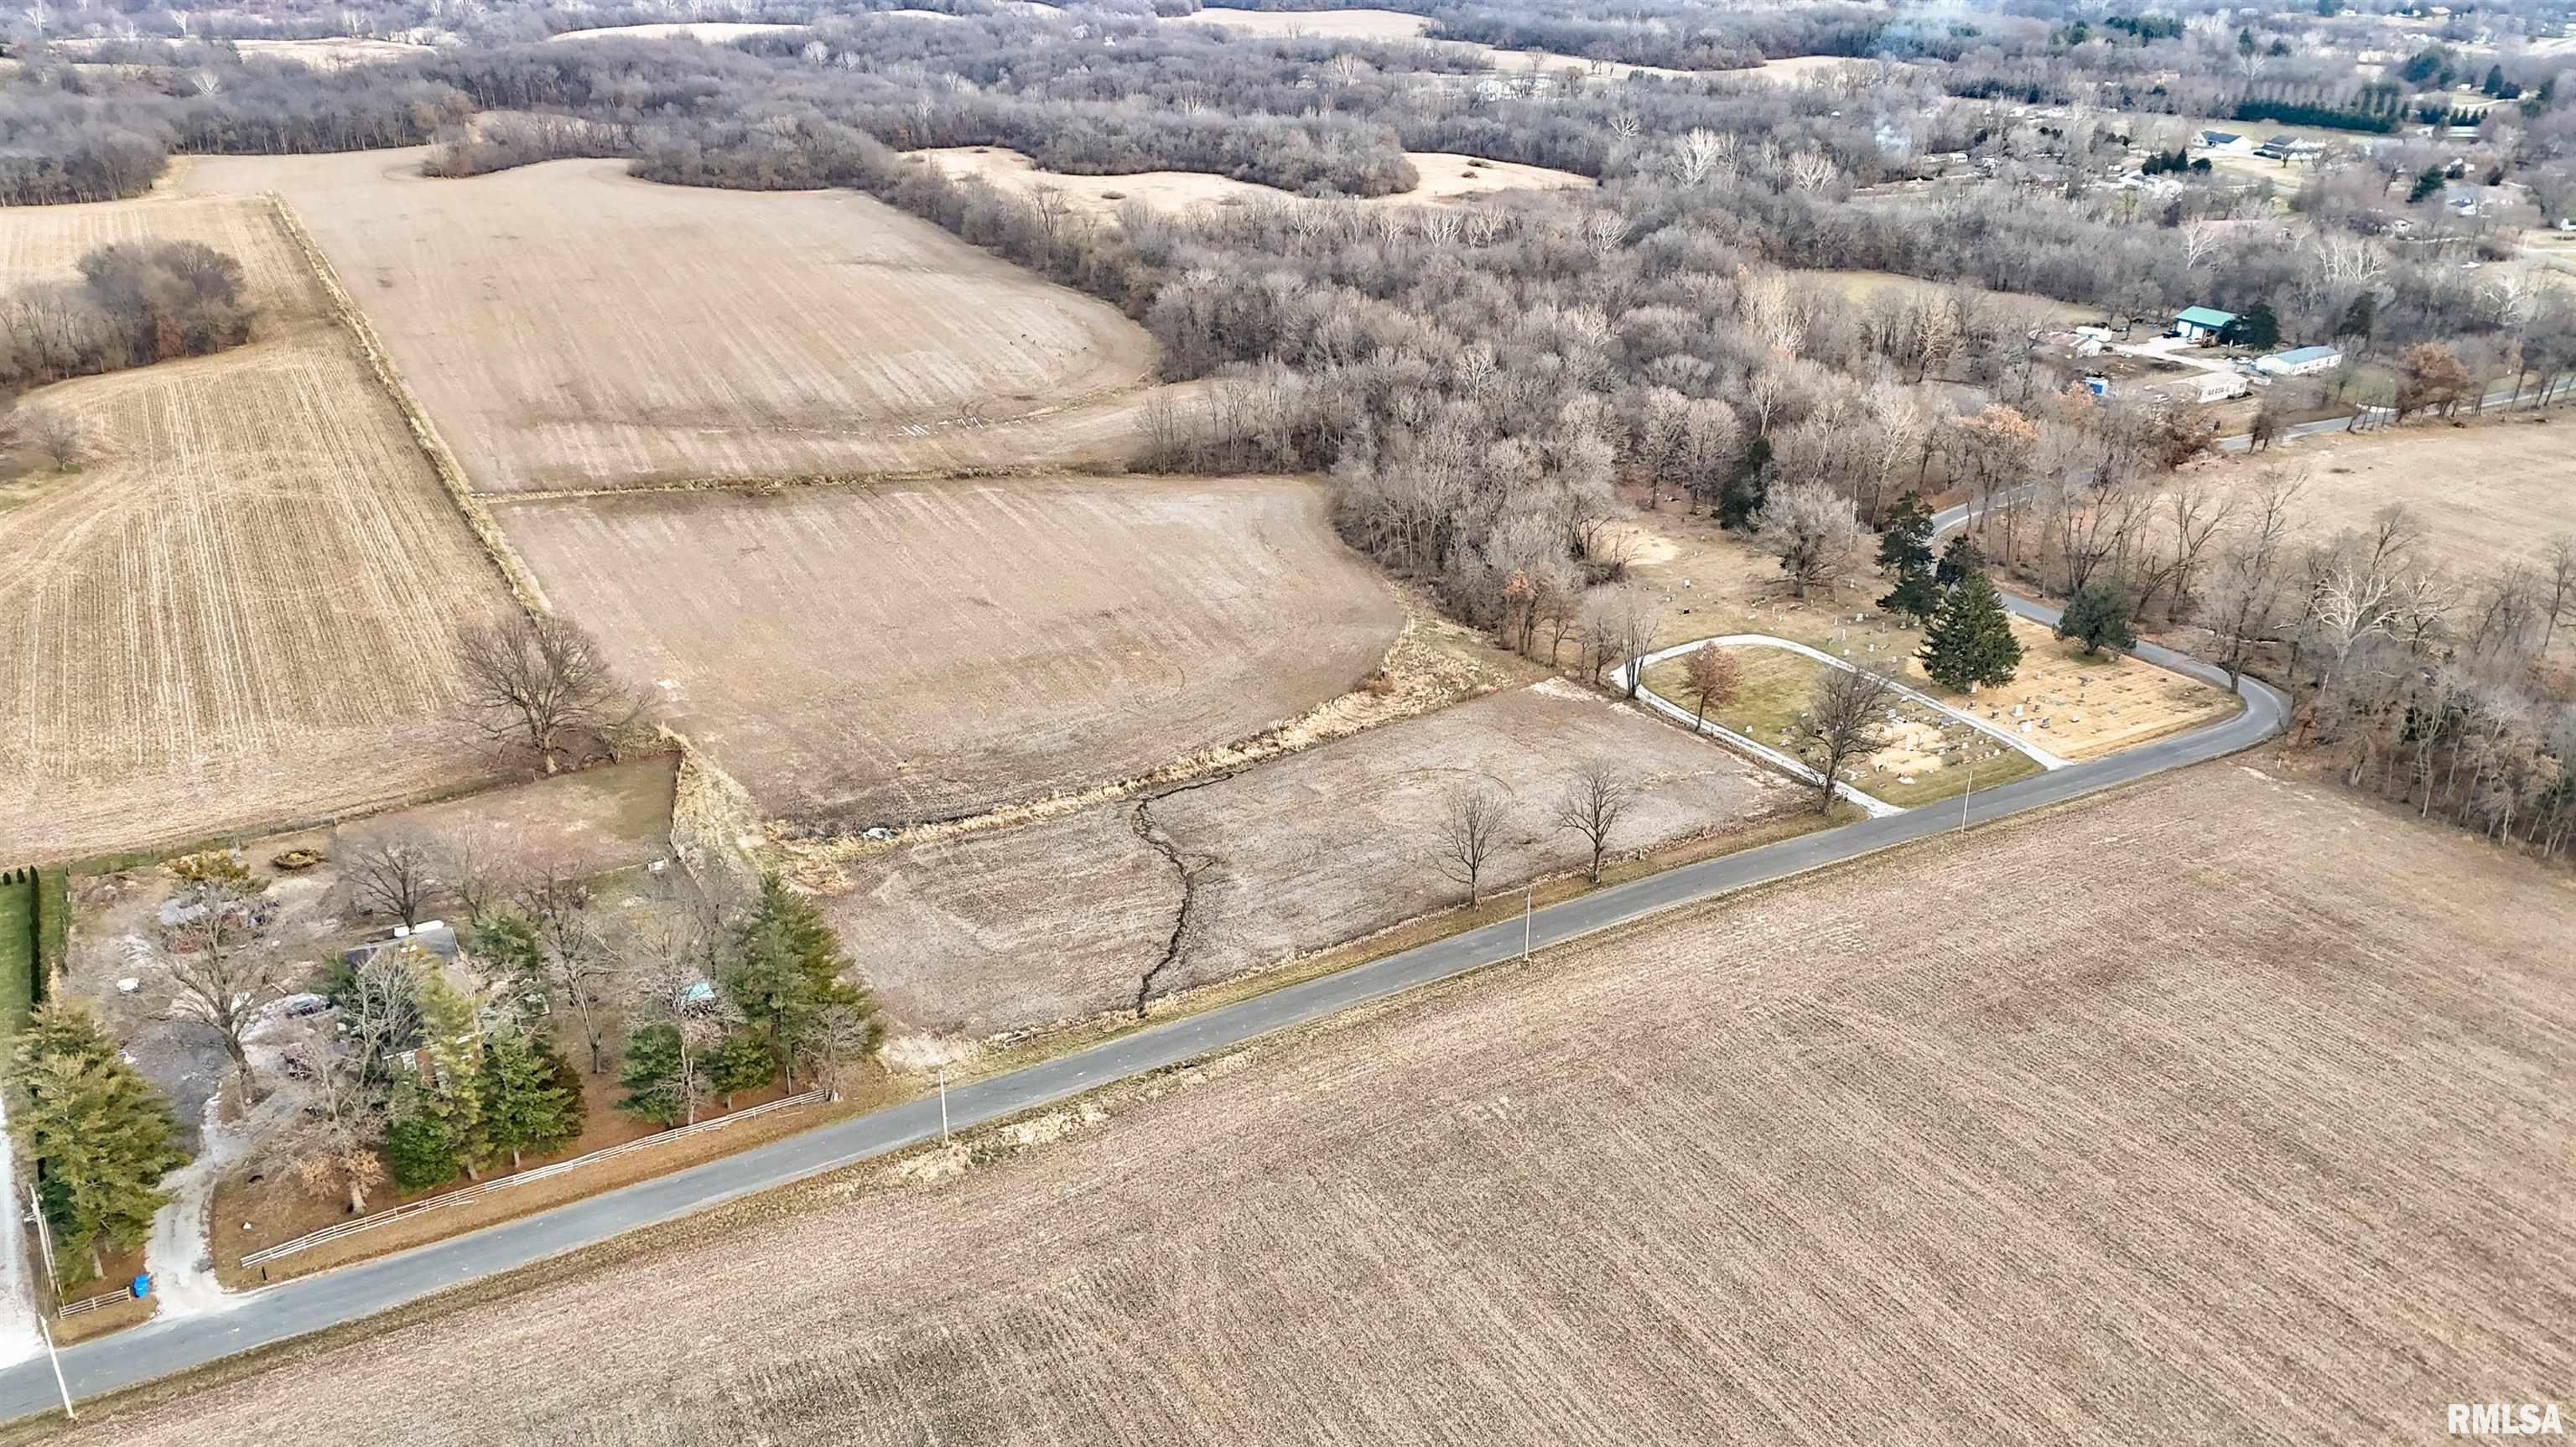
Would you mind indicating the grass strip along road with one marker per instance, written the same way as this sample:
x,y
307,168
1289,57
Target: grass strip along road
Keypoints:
x,y
348,1293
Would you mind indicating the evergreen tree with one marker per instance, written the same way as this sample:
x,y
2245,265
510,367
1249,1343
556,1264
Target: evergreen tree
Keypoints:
x,y
452,1039
419,1146
1747,487
99,1137
1915,595
2359,319
2258,327
2427,182
1971,643
530,1105
1958,560
658,1075
1906,546
507,949
743,1062
786,967
2098,616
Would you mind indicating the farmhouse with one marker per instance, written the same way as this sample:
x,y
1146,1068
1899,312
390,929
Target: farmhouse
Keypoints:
x,y
2202,324
2299,362
2217,140
2288,148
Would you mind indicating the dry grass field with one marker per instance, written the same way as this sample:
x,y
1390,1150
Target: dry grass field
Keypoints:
x,y
935,649
1711,583
1348,24
568,326
2486,494
1969,1144
239,608
705,32
1060,920
1445,178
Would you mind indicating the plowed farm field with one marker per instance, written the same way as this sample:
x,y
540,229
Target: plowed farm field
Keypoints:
x,y
566,326
856,656
1065,918
2484,495
238,610
1978,1142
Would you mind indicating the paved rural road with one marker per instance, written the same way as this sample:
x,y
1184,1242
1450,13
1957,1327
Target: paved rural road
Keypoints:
x,y
329,1298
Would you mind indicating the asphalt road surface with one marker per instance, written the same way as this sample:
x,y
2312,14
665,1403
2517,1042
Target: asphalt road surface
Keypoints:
x,y
327,1299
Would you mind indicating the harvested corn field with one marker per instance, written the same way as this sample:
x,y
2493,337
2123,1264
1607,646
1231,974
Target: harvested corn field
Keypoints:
x,y
926,650
1079,914
567,326
1956,1145
239,608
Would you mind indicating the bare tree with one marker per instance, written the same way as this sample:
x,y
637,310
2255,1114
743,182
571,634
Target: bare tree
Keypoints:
x,y
58,434
391,872
479,867
1472,822
668,985
576,968
333,1149
840,1039
1844,719
1593,803
1811,529
537,682
2560,585
219,967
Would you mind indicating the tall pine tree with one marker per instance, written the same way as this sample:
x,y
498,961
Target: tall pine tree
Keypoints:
x,y
659,1074
98,1135
529,1105
2098,615
786,968
452,1039
1970,642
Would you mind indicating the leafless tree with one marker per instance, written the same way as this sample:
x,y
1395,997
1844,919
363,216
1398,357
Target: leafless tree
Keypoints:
x,y
58,434
838,1043
1472,825
537,682
1812,529
479,866
2245,602
1592,804
392,872
577,969
2559,587
333,1147
1845,719
221,972
668,984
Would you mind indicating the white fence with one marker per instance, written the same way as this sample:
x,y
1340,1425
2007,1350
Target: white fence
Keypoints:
x,y
503,1183
92,1303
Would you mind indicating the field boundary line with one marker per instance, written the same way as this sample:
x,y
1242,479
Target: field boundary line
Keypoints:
x,y
451,474
499,1184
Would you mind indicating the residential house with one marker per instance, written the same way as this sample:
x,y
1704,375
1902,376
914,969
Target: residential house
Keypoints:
x,y
2299,362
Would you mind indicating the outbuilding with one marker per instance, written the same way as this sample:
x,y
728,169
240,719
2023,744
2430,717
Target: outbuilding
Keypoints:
x,y
2201,323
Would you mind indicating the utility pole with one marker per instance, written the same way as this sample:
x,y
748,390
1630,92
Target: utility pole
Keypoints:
x,y
943,1105
1529,907
1963,798
45,1248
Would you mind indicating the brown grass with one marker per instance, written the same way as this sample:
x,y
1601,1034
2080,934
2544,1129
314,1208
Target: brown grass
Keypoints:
x,y
239,608
923,650
568,326
1064,918
2486,494
2283,1158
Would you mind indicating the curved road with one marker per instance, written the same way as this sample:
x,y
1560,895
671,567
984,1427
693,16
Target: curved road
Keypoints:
x,y
312,1303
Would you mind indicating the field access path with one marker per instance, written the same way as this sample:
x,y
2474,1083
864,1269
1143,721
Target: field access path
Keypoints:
x,y
330,1298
